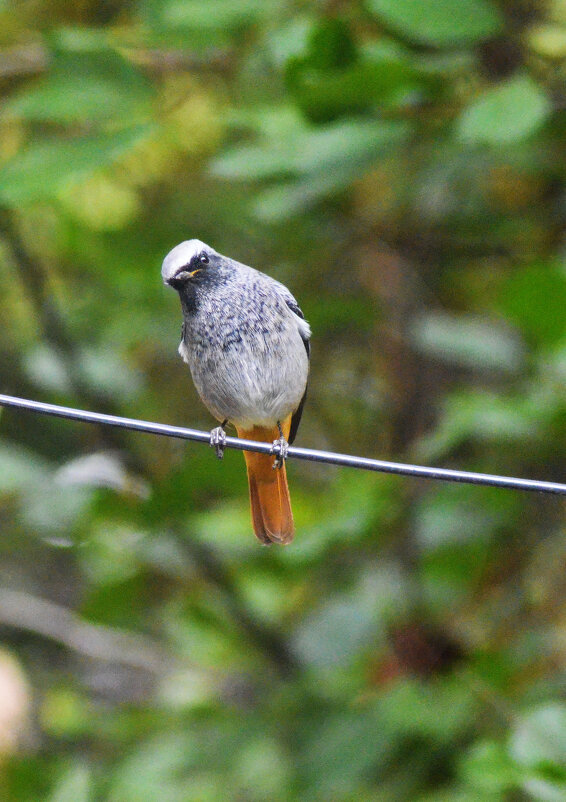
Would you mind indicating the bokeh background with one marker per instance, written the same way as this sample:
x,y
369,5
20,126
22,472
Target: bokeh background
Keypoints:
x,y
401,166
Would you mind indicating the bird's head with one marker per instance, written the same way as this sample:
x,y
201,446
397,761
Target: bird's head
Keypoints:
x,y
188,262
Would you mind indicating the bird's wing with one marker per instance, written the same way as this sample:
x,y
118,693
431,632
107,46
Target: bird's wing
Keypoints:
x,y
305,332
303,326
291,301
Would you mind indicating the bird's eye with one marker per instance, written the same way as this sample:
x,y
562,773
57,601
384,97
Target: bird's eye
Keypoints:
x,y
203,258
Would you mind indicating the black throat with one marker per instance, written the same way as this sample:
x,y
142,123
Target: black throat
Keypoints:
x,y
190,292
189,297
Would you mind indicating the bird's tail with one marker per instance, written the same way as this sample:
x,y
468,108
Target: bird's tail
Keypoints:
x,y
272,517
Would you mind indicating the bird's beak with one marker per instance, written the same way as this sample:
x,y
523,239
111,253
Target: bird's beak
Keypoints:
x,y
180,278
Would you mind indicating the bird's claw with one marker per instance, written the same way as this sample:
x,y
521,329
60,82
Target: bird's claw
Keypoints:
x,y
280,449
218,441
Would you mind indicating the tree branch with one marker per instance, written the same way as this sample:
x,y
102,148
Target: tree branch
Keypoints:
x,y
41,617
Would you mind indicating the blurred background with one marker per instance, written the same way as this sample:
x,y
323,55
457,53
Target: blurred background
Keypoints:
x,y
400,165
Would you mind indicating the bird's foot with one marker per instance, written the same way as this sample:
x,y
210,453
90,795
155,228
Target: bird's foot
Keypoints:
x,y
280,449
218,439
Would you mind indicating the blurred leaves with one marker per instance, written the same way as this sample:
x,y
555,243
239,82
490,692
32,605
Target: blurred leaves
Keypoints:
x,y
74,786
58,162
347,748
468,342
489,769
534,298
18,468
217,15
399,165
480,416
440,23
324,160
505,113
540,738
332,77
154,770
306,151
342,627
534,759
87,82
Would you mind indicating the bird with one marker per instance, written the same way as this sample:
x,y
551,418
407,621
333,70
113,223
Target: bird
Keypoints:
x,y
247,345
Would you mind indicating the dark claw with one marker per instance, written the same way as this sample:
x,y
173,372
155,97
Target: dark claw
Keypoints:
x,y
280,449
218,441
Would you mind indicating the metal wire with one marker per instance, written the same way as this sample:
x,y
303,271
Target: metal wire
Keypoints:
x,y
363,463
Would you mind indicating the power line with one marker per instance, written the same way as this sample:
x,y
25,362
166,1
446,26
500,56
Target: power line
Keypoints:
x,y
331,458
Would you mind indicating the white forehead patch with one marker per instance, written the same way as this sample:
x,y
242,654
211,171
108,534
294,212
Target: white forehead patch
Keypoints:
x,y
181,255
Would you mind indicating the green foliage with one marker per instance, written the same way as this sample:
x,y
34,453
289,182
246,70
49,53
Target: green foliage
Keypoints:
x,y
506,113
40,171
440,23
323,161
87,82
399,164
218,15
73,786
534,300
331,76
533,759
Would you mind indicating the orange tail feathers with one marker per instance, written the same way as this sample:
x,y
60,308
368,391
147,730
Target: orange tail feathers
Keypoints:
x,y
272,517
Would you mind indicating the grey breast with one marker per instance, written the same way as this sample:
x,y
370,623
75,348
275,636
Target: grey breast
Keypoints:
x,y
245,351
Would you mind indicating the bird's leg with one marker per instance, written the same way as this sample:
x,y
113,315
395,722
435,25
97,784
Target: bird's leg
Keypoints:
x,y
218,439
280,448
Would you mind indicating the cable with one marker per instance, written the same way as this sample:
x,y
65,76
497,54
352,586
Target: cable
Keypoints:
x,y
350,461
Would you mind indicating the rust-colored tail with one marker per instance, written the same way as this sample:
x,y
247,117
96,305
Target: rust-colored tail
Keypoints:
x,y
269,493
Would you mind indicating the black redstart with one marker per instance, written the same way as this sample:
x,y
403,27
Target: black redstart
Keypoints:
x,y
247,345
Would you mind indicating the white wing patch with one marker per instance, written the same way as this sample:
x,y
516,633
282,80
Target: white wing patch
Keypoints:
x,y
183,352
304,328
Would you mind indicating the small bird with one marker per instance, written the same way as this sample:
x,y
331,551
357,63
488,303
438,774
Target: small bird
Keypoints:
x,y
247,345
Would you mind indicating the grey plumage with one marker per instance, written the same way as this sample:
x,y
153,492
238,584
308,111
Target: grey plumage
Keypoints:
x,y
244,338
247,345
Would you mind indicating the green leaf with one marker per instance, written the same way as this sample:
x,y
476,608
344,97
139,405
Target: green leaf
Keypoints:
x,y
438,711
333,635
153,770
540,736
534,298
469,341
325,160
481,416
81,86
20,468
285,201
336,632
349,144
290,40
440,22
108,374
278,132
252,162
39,171
452,516
52,509
323,95
489,769
344,748
47,369
212,14
542,790
74,786
509,112
262,770
327,150
331,44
